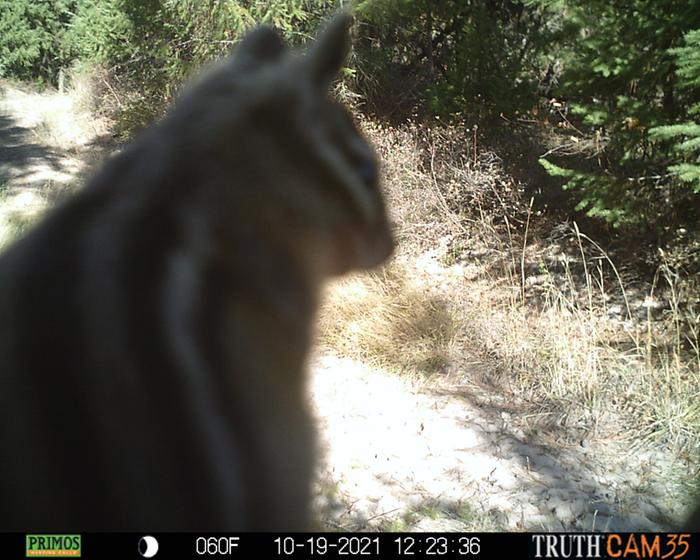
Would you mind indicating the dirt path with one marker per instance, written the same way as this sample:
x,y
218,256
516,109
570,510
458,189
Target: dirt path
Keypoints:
x,y
411,459
46,142
396,455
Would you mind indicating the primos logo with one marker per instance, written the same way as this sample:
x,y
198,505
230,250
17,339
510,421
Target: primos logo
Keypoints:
x,y
53,545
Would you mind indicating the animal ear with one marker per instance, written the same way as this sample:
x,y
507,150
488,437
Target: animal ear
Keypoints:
x,y
327,56
259,46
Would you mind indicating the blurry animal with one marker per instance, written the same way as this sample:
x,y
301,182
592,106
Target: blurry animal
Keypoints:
x,y
154,328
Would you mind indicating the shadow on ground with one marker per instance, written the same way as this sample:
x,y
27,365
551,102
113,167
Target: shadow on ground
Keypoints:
x,y
466,458
560,476
20,155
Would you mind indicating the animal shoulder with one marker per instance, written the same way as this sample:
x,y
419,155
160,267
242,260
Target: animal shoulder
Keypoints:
x,y
154,328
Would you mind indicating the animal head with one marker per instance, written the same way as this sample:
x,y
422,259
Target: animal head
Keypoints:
x,y
267,112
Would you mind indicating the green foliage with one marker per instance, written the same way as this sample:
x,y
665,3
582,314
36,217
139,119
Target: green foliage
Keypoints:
x,y
193,32
630,86
685,136
31,32
100,31
168,39
603,196
151,45
631,74
460,56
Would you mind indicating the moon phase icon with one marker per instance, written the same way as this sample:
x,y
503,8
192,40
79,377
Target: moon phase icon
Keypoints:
x,y
148,546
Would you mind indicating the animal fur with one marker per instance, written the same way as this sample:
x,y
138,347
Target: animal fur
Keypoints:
x,y
154,328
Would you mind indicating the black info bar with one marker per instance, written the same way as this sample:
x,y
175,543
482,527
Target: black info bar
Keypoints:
x,y
164,546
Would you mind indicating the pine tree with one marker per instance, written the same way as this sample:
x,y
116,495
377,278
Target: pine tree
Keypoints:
x,y
450,56
622,79
685,135
31,37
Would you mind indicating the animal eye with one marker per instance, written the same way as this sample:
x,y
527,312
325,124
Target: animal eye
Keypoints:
x,y
368,172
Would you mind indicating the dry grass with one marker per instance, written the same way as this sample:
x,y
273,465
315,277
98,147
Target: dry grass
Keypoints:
x,y
382,320
64,120
583,367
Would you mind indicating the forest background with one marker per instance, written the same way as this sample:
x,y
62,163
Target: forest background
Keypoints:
x,y
622,77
